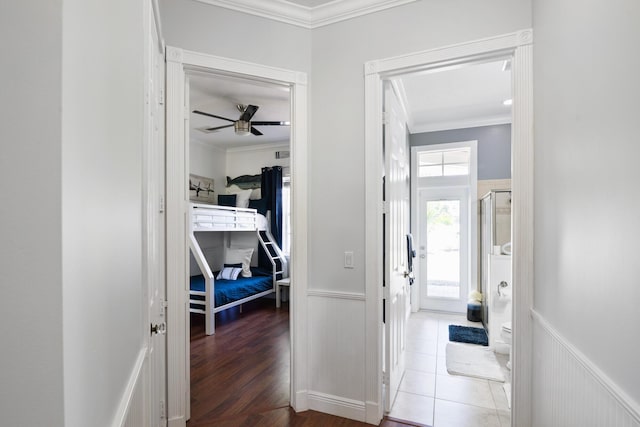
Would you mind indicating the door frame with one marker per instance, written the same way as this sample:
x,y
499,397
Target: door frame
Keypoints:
x,y
180,61
518,47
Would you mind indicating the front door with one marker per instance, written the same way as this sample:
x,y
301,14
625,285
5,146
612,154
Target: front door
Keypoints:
x,y
443,218
396,223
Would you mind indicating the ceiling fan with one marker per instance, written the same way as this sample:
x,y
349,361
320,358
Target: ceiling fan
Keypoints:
x,y
243,126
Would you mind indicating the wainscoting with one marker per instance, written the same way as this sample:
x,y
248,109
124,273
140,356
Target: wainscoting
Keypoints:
x,y
569,390
131,412
336,353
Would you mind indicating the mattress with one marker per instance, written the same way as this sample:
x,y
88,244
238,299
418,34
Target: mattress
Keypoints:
x,y
228,291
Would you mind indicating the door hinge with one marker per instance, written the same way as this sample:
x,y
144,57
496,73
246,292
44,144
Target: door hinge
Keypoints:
x,y
385,118
161,97
161,204
163,410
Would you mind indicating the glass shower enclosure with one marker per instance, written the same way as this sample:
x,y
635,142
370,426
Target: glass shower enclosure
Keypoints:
x,y
495,233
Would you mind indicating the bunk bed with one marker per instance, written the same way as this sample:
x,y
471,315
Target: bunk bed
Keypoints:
x,y
208,295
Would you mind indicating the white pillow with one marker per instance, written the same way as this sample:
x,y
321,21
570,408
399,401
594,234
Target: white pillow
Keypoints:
x,y
229,273
237,256
242,196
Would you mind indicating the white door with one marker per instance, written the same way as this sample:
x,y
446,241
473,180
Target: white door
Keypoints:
x,y
396,223
443,222
155,228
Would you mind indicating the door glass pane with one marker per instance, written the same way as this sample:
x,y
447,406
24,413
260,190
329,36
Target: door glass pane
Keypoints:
x,y
456,169
443,248
456,156
430,158
430,171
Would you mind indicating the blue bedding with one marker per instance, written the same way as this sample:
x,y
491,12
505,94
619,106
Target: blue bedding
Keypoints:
x,y
228,291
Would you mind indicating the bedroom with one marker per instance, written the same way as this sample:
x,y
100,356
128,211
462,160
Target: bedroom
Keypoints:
x,y
239,170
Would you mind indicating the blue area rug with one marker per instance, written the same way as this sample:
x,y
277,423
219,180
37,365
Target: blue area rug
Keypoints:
x,y
468,334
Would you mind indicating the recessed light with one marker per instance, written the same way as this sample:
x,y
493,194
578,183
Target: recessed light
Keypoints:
x,y
507,102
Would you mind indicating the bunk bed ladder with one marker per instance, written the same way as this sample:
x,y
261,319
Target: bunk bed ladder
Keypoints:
x,y
275,254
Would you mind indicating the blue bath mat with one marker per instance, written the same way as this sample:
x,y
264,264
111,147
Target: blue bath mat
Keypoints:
x,y
468,334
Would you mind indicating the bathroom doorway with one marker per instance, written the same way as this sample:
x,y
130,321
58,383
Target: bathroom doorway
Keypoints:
x,y
453,159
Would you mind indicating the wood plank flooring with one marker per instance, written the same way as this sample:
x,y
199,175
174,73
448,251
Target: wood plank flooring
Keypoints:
x,y
240,375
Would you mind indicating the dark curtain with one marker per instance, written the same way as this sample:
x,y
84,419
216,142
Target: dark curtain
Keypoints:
x,y
271,188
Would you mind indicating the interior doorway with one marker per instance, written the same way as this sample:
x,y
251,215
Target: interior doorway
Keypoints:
x,y
244,169
180,64
516,47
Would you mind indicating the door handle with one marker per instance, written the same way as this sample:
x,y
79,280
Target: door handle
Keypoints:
x,y
159,329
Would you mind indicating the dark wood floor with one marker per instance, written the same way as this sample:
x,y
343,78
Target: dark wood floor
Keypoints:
x,y
240,375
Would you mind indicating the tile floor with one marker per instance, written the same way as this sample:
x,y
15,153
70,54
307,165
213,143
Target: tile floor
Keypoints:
x,y
428,395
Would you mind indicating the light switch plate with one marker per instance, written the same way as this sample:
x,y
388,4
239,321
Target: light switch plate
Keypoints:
x,y
348,259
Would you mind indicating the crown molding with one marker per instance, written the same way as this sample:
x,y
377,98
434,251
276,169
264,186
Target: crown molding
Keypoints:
x,y
304,16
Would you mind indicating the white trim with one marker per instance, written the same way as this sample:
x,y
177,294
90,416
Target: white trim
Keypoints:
x,y
178,62
305,16
518,46
619,395
461,124
129,396
336,405
357,296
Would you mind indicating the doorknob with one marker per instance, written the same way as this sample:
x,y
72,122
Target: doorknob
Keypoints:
x,y
159,329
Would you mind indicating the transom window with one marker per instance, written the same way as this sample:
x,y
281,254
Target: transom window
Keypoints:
x,y
454,162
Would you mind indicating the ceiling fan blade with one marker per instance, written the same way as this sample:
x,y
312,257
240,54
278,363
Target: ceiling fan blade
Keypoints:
x,y
218,127
248,113
271,123
212,115
255,131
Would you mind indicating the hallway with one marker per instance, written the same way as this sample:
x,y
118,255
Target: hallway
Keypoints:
x,y
430,396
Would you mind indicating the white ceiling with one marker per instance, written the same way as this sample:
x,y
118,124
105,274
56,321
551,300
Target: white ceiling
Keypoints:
x,y
458,98
219,96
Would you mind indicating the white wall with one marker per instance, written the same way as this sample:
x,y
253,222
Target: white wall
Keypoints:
x,y
336,202
203,28
208,161
31,379
250,161
586,184
336,169
71,212
102,133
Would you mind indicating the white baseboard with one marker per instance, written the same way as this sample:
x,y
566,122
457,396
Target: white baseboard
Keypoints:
x,y
300,402
372,413
177,422
569,389
335,405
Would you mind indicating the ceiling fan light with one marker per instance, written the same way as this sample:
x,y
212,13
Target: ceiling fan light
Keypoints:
x,y
242,128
